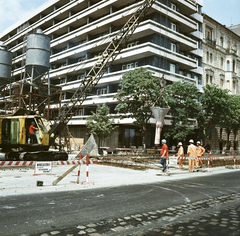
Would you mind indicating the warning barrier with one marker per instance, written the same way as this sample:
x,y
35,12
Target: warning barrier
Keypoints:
x,y
80,162
79,168
87,172
75,165
17,163
210,158
32,163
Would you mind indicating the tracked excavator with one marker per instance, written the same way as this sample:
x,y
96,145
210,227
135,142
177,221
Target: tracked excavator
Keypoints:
x,y
15,139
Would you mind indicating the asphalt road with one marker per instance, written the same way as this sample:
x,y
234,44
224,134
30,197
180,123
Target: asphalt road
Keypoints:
x,y
123,210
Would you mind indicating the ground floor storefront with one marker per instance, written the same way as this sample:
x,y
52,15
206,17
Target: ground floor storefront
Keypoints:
x,y
124,136
130,136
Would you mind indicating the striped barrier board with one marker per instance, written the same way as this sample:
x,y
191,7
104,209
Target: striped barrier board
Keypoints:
x,y
210,158
80,162
17,163
32,163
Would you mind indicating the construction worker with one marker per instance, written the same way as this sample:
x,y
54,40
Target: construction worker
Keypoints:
x,y
199,152
191,152
164,153
32,133
180,155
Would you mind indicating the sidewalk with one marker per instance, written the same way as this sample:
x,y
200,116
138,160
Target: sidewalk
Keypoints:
x,y
17,181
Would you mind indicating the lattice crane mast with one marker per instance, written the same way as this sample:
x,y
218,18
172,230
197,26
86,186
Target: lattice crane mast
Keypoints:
x,y
118,42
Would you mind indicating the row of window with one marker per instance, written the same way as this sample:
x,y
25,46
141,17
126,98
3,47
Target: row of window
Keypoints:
x,y
86,111
209,36
173,46
159,62
130,66
223,84
209,59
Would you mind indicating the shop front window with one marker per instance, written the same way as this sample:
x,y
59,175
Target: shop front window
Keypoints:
x,y
129,138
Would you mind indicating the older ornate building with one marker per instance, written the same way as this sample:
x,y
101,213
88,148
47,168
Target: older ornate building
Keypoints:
x,y
221,65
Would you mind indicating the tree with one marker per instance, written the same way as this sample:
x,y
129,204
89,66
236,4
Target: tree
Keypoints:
x,y
215,103
139,90
100,124
231,120
221,109
182,97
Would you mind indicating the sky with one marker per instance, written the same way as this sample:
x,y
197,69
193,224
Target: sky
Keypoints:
x,y
225,12
13,10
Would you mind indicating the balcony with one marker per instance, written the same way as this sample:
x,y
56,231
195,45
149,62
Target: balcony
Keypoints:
x,y
211,42
190,7
197,52
197,34
200,2
231,51
198,70
197,17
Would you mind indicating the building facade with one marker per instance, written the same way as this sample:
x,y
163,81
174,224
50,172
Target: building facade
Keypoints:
x,y
167,42
221,66
235,29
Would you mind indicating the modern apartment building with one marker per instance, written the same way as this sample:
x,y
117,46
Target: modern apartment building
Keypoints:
x,y
167,42
221,66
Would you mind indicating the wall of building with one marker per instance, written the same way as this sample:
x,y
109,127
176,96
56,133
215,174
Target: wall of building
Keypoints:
x,y
221,66
221,56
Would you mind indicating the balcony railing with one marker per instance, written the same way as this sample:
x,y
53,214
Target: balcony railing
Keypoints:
x,y
211,42
231,51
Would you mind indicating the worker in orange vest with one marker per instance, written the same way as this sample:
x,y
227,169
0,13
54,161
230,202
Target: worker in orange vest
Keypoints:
x,y
199,152
191,152
32,133
180,155
164,153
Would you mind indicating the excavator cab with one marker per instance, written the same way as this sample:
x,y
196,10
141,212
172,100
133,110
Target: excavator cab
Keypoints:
x,y
16,142
14,133
41,131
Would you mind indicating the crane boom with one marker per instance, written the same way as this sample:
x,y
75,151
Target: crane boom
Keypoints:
x,y
118,42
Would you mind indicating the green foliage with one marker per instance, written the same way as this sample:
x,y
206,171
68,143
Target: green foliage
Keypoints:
x,y
215,103
182,97
138,92
221,108
100,124
231,119
234,113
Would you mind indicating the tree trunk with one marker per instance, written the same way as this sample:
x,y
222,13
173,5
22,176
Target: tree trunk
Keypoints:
x,y
144,136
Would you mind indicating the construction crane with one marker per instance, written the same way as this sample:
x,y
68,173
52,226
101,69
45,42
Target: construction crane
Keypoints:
x,y
39,150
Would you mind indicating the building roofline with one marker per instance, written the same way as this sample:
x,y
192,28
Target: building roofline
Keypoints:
x,y
232,27
29,16
224,26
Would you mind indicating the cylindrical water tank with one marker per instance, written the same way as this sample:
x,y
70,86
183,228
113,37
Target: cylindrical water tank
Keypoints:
x,y
5,65
37,53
